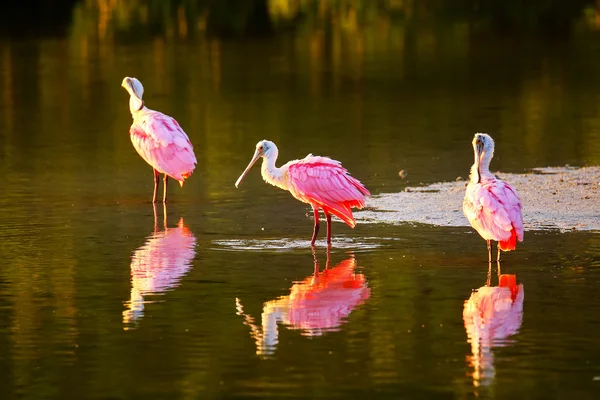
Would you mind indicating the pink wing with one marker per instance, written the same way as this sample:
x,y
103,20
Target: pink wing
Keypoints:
x,y
162,143
493,208
324,183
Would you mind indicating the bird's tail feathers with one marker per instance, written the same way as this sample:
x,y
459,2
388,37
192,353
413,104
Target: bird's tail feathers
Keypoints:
x,y
342,211
357,184
184,176
510,243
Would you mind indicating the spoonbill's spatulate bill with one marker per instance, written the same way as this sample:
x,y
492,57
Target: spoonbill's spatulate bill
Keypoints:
x,y
319,181
492,206
159,139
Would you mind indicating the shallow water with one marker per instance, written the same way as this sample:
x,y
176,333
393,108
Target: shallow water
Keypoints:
x,y
87,311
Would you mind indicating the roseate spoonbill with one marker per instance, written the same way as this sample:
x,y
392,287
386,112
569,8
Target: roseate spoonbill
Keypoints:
x,y
492,206
319,181
159,139
158,266
318,304
491,315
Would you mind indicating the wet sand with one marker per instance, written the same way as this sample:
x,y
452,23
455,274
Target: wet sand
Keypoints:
x,y
562,198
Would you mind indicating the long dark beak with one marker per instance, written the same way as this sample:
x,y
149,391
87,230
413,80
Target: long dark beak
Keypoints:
x,y
255,157
479,154
479,147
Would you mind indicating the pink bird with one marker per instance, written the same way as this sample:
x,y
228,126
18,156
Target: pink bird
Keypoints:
x,y
159,139
319,181
320,303
492,206
491,315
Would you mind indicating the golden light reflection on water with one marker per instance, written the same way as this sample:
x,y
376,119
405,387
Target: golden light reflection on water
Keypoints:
x,y
42,295
65,122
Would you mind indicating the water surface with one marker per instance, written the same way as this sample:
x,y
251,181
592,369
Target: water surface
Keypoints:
x,y
102,298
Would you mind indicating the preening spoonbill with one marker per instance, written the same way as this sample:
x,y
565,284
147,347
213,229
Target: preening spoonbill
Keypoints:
x,y
159,139
492,206
319,181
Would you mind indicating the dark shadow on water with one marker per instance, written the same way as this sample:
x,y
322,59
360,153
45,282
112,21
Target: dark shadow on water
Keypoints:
x,y
158,266
318,304
491,315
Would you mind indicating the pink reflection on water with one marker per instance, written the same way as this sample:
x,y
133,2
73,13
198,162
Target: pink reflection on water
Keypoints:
x,y
158,266
320,303
491,315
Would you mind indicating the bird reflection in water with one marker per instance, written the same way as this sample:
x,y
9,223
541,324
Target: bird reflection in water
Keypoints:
x,y
491,315
318,304
158,265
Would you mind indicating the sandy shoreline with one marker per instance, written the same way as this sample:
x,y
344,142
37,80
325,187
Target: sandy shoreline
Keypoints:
x,y
562,198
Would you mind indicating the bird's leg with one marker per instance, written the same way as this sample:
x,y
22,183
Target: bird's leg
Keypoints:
x,y
328,262
328,216
498,257
316,230
489,275
165,180
155,186
489,245
499,273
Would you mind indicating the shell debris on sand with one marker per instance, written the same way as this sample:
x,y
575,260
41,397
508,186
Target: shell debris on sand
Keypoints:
x,y
563,198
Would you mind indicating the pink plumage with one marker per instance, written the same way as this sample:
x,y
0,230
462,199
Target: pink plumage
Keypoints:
x,y
319,181
325,184
491,205
159,140
493,208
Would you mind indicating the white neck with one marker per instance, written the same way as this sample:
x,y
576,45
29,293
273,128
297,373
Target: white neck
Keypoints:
x,y
136,105
271,174
481,167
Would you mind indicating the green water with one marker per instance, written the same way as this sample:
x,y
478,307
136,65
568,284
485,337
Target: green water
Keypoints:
x,y
76,217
